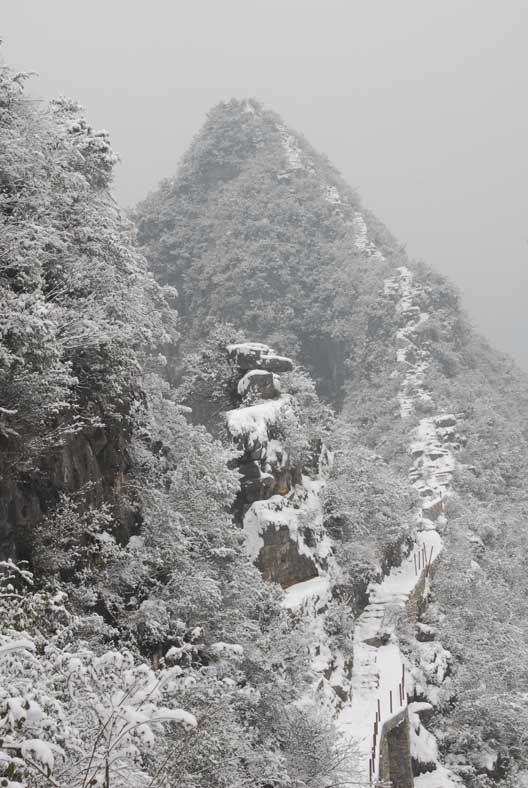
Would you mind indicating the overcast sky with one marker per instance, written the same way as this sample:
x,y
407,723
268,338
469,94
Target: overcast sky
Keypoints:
x,y
422,104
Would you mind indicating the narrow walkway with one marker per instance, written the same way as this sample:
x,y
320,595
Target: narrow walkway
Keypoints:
x,y
378,679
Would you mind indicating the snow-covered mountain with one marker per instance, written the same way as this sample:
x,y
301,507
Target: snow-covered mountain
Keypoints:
x,y
257,230
262,487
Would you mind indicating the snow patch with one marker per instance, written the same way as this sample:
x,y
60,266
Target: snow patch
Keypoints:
x,y
253,423
332,195
295,157
292,511
379,673
244,384
440,778
361,239
316,592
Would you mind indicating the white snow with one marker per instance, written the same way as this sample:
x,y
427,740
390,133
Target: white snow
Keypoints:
x,y
379,668
276,454
487,759
410,355
361,240
423,744
249,347
253,422
245,382
316,591
260,354
360,228
292,511
292,149
16,645
440,778
222,648
37,751
433,463
310,598
332,195
185,718
269,513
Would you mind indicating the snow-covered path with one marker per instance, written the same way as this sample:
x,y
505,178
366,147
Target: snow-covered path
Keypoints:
x,y
378,683
372,691
378,679
377,687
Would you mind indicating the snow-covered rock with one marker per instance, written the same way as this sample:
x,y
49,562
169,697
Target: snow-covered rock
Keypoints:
x,y
250,426
261,383
285,536
255,355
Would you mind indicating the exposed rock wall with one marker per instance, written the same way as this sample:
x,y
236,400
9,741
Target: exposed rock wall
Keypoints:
x,y
93,461
272,487
395,766
255,427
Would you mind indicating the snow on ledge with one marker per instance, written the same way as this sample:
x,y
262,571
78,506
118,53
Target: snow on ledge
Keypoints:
x,y
440,778
249,347
254,421
278,511
244,383
317,590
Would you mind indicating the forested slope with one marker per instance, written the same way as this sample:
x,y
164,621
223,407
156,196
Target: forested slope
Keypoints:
x,y
259,231
138,643
211,567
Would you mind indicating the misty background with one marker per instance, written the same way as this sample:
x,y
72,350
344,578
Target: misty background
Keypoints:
x,y
421,104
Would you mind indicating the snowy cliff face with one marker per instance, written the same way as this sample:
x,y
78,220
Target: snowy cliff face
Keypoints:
x,y
94,461
278,505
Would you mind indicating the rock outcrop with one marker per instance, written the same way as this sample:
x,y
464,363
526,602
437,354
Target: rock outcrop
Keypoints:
x,y
92,462
254,356
255,427
274,497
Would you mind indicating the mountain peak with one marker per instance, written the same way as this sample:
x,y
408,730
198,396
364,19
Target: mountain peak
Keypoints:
x,y
255,228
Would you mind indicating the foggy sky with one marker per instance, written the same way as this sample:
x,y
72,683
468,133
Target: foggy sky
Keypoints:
x,y
422,105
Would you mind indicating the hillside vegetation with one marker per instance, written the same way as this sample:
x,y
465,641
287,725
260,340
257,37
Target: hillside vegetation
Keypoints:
x,y
139,642
259,230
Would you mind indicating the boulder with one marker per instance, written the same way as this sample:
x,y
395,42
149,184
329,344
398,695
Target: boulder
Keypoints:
x,y
249,427
256,488
432,511
254,355
260,382
445,420
280,559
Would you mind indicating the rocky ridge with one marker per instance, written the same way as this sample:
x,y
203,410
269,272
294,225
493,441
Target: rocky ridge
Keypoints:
x,y
375,689
278,503
300,263
434,442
